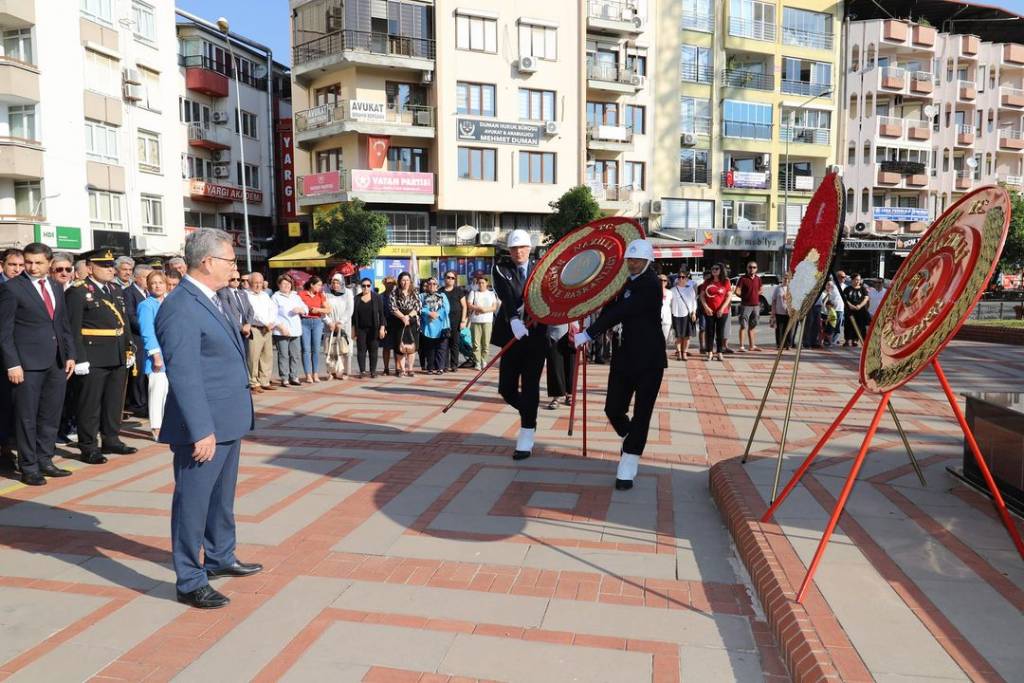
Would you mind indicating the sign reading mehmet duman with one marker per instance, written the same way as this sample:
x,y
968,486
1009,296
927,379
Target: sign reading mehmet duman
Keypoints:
x,y
499,132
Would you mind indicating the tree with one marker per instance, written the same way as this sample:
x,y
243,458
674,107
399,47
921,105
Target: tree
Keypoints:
x,y
574,208
352,232
1012,259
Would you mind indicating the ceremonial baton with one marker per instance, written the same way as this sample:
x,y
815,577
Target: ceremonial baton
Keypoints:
x,y
480,373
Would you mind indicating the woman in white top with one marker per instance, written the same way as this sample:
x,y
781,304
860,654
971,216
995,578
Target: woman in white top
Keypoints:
x,y
482,303
341,301
780,314
666,306
684,314
288,331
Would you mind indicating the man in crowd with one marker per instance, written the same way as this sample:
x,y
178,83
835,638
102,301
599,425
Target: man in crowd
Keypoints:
x,y
12,262
137,397
173,279
458,317
748,288
247,282
177,264
99,327
261,335
81,270
878,291
124,266
236,304
62,270
38,356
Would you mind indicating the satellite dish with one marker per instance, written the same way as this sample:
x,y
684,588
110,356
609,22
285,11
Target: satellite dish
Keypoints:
x,y
971,162
260,71
743,223
931,110
466,233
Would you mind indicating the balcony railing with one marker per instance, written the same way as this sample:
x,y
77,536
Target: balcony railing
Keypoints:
x,y
406,235
364,41
694,73
795,36
797,182
326,114
747,28
1014,180
698,22
1011,97
1011,134
611,10
611,73
213,137
902,167
748,130
804,88
965,129
221,67
609,133
611,193
740,78
811,136
893,72
921,75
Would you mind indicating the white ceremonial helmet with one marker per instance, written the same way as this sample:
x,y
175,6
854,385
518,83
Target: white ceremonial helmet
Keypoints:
x,y
640,249
519,238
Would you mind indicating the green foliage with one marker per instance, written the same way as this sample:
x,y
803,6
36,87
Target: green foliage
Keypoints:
x,y
573,209
1012,259
352,232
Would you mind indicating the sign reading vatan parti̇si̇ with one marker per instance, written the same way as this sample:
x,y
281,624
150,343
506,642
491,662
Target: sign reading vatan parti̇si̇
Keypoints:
x,y
200,189
499,132
404,182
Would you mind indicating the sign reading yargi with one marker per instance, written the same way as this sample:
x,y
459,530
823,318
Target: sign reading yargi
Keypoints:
x,y
200,189
362,110
499,132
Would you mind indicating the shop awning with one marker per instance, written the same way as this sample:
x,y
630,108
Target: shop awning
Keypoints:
x,y
305,255
678,252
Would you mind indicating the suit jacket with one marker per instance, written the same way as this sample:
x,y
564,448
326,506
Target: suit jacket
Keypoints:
x,y
206,369
28,337
508,286
132,298
90,307
240,311
638,308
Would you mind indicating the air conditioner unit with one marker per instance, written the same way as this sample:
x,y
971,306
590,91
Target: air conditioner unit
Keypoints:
x,y
527,64
134,93
639,81
220,117
334,19
860,228
835,168
488,237
654,207
132,76
427,77
551,127
222,156
638,22
221,172
138,243
689,139
424,118
628,13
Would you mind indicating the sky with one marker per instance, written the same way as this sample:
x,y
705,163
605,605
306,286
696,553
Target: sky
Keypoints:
x,y
265,21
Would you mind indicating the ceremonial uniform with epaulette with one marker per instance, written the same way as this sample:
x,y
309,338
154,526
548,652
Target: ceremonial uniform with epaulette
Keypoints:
x,y
103,343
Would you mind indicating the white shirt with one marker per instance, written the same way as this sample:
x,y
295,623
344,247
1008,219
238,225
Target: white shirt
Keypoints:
x,y
49,289
684,300
341,309
286,316
876,300
836,298
209,293
264,310
484,300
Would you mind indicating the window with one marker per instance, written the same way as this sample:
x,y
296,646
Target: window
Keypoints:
x,y
693,166
410,159
149,151
803,77
101,142
475,99
537,167
151,87
633,174
637,64
693,214
698,15
194,112
742,215
536,105
97,10
21,121
747,120
328,160
407,227
602,114
18,45
982,77
749,19
248,124
28,198
851,157
636,119
145,21
864,200
401,96
105,210
152,214
252,175
477,164
694,116
538,41
330,94
695,64
102,74
476,33
197,168
849,201
806,29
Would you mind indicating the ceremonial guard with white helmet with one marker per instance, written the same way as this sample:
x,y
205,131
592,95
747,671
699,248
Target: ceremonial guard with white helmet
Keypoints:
x,y
639,363
523,363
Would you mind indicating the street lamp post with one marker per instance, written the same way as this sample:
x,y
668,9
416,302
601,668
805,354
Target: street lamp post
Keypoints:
x,y
789,136
222,24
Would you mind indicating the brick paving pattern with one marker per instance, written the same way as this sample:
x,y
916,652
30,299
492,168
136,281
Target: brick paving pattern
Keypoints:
x,y
401,544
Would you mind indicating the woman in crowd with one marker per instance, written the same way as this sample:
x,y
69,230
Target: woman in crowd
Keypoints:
x,y
404,324
339,321
715,300
153,365
561,355
780,314
482,303
858,298
312,295
368,321
288,333
386,343
684,313
436,328
666,306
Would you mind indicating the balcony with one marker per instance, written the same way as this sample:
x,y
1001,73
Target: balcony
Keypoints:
x,y
741,78
1011,97
921,83
753,29
746,180
1011,139
804,135
890,127
613,16
19,82
966,90
805,88
21,159
212,139
965,135
362,48
1012,180
17,13
892,78
704,23
609,138
693,73
612,197
917,180
204,75
918,130
797,182
747,130
964,180
969,46
923,36
391,187
801,38
613,78
362,116
1013,54
696,126
887,177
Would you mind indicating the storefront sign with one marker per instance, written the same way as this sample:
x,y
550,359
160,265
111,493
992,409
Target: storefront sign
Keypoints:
x,y
316,184
115,240
286,179
362,110
295,229
392,181
499,132
900,214
59,236
868,245
744,240
200,189
754,180
318,116
906,242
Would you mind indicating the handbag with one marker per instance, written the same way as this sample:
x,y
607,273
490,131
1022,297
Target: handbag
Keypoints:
x,y
335,352
407,347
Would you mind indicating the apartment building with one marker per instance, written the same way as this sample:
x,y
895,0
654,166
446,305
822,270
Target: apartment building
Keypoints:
x,y
745,126
932,114
88,125
463,120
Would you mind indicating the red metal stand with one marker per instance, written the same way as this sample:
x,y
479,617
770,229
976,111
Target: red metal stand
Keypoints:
x,y
480,374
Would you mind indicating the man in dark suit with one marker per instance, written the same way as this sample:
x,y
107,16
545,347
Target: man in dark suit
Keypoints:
x,y
134,293
208,411
522,365
38,356
639,363
12,262
237,305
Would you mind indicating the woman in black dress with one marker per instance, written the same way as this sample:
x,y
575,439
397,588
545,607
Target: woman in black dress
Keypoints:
x,y
404,323
368,323
857,300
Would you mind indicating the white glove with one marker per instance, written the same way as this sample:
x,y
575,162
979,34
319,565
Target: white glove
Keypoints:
x,y
82,368
519,329
581,339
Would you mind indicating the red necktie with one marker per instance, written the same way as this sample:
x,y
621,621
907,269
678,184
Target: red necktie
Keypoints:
x,y
47,299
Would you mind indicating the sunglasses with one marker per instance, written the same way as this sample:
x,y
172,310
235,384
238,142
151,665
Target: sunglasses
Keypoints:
x,y
449,277
63,269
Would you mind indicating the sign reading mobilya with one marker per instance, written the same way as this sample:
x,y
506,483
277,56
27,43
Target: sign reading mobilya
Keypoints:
x,y
499,132
744,240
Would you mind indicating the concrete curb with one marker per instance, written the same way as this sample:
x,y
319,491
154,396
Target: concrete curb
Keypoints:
x,y
990,334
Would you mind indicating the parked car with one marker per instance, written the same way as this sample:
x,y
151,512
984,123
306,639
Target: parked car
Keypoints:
x,y
769,281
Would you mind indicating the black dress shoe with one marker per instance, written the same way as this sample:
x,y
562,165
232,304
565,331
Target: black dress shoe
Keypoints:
x,y
623,484
92,456
520,455
53,471
236,569
203,598
33,479
119,449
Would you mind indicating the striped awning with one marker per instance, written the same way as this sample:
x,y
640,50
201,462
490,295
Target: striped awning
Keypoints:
x,y
678,252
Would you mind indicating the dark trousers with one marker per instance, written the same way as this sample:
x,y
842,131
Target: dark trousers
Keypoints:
x,y
561,362
6,410
812,328
203,513
453,341
642,389
100,398
366,344
137,397
69,415
781,322
519,376
37,405
714,328
435,352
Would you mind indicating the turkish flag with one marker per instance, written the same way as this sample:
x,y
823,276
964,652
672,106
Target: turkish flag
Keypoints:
x,y
377,150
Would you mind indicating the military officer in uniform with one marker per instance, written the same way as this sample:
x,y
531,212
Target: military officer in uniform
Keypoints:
x,y
639,363
522,365
99,326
